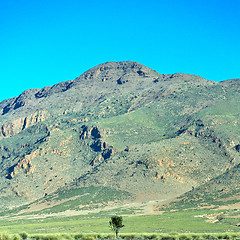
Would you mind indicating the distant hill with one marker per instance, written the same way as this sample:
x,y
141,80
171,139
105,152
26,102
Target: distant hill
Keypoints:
x,y
123,129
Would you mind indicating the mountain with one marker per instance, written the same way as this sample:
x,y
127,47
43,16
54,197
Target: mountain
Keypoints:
x,y
222,192
119,132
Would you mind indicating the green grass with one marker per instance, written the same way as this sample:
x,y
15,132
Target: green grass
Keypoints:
x,y
82,198
224,117
141,236
182,222
144,125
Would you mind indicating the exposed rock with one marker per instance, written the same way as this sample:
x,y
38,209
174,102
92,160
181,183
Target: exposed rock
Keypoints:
x,y
87,132
199,123
237,147
84,134
95,132
24,165
121,81
20,101
11,128
98,145
141,73
96,160
43,92
35,118
57,88
107,153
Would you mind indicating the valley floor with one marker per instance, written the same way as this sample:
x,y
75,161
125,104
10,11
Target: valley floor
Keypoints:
x,y
145,217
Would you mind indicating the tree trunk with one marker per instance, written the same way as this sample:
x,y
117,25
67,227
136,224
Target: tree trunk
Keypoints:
x,y
117,233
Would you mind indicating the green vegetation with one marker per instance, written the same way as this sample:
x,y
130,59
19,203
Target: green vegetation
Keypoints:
x,y
116,224
196,221
137,236
82,198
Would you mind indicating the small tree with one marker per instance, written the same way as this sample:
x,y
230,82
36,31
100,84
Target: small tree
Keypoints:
x,y
115,224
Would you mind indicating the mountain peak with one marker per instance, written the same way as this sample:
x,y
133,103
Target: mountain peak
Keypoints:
x,y
105,71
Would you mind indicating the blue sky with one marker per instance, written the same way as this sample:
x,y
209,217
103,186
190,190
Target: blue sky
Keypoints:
x,y
43,42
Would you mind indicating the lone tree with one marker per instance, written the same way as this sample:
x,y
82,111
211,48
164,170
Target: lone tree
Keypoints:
x,y
115,224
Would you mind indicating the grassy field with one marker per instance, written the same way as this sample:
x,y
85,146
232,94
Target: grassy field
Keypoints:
x,y
181,222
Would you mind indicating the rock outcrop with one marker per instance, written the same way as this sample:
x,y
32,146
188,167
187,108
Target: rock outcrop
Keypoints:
x,y
11,128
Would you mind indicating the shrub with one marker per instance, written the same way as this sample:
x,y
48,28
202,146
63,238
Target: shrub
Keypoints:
x,y
50,237
78,236
152,236
88,237
139,237
169,237
16,237
23,235
36,237
185,237
65,236
5,236
196,236
129,236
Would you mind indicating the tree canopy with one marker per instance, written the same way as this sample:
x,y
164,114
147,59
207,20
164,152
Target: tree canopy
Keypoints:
x,y
115,224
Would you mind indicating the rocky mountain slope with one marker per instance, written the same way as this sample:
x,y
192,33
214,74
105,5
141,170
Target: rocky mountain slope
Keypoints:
x,y
222,192
122,127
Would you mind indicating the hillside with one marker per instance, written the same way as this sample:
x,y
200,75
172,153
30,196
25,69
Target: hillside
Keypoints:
x,y
121,129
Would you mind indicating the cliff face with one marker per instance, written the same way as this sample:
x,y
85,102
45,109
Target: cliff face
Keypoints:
x,y
119,125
